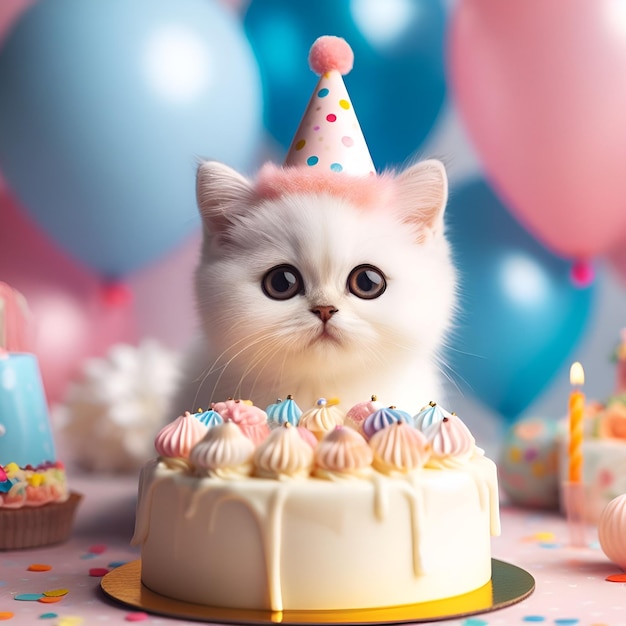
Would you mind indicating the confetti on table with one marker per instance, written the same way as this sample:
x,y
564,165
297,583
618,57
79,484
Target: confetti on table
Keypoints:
x,y
39,567
48,615
541,537
88,555
56,592
98,571
98,548
136,617
114,564
50,599
616,578
70,620
4,615
28,597
534,618
567,621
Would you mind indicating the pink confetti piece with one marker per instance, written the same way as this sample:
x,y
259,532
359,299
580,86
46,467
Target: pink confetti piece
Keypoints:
x,y
98,571
98,548
136,617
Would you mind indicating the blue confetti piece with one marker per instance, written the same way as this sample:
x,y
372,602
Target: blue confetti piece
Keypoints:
x,y
472,621
533,618
567,621
115,564
88,555
28,597
48,615
550,546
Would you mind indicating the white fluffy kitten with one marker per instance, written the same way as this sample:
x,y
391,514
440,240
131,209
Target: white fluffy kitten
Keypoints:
x,y
321,288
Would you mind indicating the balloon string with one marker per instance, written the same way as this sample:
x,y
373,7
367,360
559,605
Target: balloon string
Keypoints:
x,y
582,273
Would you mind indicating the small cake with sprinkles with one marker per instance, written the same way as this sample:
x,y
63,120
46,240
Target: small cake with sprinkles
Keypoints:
x,y
36,506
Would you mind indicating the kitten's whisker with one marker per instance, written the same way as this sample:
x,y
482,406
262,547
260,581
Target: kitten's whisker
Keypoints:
x,y
257,339
217,365
258,358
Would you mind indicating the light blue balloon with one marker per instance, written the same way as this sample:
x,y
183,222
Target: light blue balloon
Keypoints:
x,y
520,316
106,106
397,85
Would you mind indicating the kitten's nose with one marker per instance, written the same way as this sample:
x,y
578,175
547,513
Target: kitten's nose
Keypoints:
x,y
324,312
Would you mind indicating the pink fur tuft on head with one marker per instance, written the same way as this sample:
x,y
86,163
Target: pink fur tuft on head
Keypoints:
x,y
365,191
331,53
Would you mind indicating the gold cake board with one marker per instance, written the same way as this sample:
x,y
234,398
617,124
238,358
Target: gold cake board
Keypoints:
x,y
509,584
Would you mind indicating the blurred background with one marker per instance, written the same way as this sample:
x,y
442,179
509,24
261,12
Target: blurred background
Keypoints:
x,y
106,105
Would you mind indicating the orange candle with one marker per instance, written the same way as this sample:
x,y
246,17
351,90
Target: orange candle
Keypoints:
x,y
576,423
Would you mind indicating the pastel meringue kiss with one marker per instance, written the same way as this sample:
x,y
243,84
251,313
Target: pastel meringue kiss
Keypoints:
x,y
451,443
342,453
399,449
176,439
322,418
224,452
360,412
251,419
283,411
382,418
283,455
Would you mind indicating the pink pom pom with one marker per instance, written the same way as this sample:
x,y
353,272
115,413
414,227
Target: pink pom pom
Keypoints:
x,y
582,274
331,53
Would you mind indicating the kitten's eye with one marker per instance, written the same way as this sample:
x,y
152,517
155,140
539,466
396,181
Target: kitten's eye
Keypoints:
x,y
366,282
282,282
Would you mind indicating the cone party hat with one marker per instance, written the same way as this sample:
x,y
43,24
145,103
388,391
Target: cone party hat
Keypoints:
x,y
329,137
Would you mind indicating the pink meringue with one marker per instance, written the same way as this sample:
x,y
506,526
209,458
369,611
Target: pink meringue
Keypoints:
x,y
176,439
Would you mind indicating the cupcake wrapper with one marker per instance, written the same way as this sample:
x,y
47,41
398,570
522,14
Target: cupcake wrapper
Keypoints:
x,y
41,526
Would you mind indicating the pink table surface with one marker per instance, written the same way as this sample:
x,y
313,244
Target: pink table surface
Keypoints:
x,y
570,583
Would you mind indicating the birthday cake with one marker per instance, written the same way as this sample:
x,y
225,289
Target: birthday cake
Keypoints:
x,y
536,458
36,506
322,510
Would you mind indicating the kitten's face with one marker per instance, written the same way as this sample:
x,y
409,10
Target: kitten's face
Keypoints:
x,y
312,281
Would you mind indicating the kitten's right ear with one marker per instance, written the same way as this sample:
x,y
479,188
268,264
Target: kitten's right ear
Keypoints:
x,y
220,191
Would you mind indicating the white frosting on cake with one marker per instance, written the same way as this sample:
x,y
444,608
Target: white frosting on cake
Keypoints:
x,y
312,544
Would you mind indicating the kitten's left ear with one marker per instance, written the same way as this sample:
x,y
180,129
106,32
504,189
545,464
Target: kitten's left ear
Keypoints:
x,y
221,192
422,196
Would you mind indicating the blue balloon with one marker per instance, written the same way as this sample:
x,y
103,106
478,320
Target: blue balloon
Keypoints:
x,y
520,316
106,106
398,82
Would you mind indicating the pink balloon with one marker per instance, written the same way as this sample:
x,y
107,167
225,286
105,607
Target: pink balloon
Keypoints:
x,y
75,315
164,298
541,88
10,10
